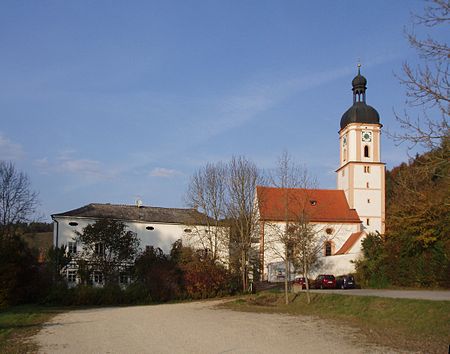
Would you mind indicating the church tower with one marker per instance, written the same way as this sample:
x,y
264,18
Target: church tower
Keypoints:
x,y
361,174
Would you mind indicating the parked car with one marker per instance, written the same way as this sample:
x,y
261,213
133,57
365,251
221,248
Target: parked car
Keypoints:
x,y
345,282
301,281
325,281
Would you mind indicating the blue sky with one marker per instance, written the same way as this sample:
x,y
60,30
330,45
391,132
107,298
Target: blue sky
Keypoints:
x,y
107,101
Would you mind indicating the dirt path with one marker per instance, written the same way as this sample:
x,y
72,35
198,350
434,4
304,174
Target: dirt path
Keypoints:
x,y
194,328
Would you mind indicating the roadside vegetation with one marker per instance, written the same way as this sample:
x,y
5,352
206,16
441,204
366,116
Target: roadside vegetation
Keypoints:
x,y
413,325
19,323
415,251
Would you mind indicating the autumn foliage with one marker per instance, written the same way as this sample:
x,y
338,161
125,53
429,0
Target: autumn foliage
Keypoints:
x,y
416,248
183,274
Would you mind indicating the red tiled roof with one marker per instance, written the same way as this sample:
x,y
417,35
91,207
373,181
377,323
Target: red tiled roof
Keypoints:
x,y
316,205
349,243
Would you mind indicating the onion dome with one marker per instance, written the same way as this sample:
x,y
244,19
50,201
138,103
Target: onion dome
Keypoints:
x,y
360,112
359,81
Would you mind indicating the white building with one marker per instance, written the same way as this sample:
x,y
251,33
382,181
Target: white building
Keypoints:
x,y
154,226
342,217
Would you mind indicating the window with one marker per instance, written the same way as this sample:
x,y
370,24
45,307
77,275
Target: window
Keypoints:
x,y
366,169
368,201
72,276
150,228
366,151
367,222
187,230
124,279
73,223
72,247
329,230
313,202
99,248
345,154
327,248
98,277
367,185
343,172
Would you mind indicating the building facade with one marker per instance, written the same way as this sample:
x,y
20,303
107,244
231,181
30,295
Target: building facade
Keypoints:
x,y
154,226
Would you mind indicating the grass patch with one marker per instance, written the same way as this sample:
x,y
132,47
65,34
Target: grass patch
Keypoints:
x,y
19,323
399,323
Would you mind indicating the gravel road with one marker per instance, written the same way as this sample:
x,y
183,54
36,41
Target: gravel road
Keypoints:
x,y
197,327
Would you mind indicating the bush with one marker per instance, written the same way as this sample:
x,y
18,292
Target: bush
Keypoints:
x,y
21,278
402,261
137,293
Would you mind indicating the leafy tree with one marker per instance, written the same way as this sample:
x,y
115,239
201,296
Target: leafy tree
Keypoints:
x,y
55,261
418,199
415,251
202,276
108,247
158,274
20,276
371,269
17,200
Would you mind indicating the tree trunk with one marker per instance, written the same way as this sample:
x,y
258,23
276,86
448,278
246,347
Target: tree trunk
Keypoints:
x,y
305,274
244,272
286,295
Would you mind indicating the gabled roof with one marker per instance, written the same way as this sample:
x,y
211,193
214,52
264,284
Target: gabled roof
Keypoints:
x,y
135,213
349,243
315,205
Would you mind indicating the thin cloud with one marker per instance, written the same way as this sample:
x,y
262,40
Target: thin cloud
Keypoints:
x,y
64,163
85,167
9,150
258,96
163,172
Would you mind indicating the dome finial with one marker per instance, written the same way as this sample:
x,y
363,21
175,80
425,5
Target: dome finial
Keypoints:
x,y
359,66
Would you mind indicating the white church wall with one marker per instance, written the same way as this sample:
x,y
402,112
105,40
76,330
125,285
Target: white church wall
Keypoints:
x,y
337,265
368,203
373,178
274,249
343,178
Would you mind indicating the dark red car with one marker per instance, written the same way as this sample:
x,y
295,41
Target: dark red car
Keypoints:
x,y
301,281
325,281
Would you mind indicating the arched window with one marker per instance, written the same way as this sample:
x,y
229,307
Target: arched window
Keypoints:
x,y
366,151
328,248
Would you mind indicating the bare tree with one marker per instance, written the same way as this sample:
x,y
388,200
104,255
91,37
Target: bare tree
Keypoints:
x,y
286,176
309,240
17,200
293,233
207,193
427,85
243,177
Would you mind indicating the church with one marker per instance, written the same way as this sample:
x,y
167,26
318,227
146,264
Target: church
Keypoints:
x,y
341,218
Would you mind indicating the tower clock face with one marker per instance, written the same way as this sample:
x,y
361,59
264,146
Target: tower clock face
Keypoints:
x,y
366,136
